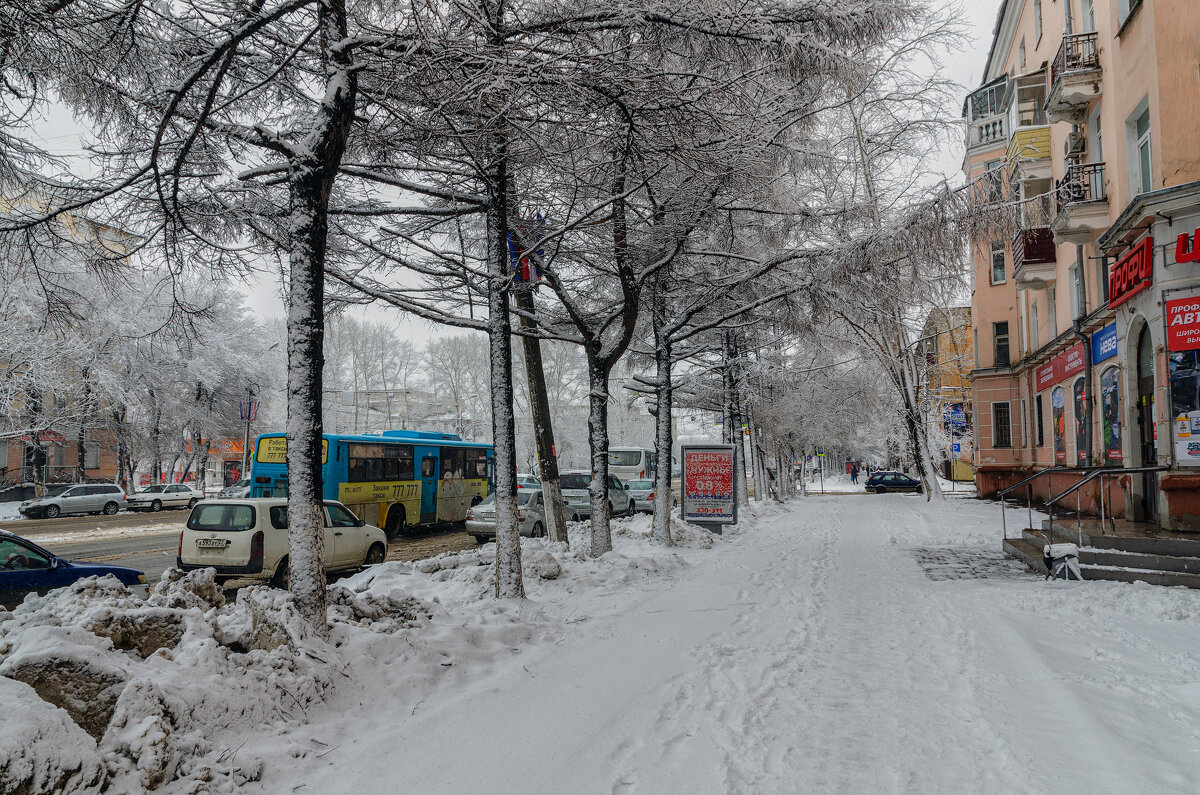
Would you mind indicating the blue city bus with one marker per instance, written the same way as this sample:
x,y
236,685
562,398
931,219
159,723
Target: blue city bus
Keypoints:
x,y
393,480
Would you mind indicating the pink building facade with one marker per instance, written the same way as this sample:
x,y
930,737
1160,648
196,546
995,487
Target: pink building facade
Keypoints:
x,y
1086,320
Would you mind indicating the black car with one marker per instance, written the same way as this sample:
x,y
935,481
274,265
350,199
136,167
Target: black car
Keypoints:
x,y
883,482
27,568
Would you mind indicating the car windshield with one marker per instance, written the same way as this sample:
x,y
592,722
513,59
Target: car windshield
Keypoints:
x,y
228,518
640,485
573,481
624,458
153,490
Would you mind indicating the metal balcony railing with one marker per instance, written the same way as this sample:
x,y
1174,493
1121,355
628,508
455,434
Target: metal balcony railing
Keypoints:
x,y
1084,182
1077,51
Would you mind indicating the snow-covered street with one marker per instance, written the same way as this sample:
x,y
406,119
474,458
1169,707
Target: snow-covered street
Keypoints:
x,y
843,645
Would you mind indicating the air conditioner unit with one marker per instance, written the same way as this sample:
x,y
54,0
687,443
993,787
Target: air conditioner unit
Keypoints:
x,y
1076,144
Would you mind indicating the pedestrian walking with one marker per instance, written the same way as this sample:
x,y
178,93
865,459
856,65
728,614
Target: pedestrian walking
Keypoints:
x,y
854,473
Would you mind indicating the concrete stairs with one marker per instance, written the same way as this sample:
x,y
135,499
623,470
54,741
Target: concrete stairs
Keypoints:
x,y
1130,552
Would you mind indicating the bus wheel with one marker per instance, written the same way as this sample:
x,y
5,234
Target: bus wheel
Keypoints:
x,y
394,526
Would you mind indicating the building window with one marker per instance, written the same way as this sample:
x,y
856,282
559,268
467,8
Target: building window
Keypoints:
x,y
1102,280
1125,8
1089,16
91,455
1024,424
1033,327
3,454
1001,425
998,274
1037,22
1000,343
1141,128
975,347
1021,56
1041,425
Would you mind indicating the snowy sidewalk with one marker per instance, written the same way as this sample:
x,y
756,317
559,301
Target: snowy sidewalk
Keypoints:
x,y
812,654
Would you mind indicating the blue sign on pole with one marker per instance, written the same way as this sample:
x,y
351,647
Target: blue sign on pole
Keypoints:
x,y
957,447
1104,343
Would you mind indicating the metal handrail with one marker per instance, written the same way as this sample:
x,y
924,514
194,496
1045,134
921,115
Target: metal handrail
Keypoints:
x,y
1027,482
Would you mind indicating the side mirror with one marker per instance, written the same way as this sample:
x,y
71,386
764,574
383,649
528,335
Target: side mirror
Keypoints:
x,y
360,523
56,563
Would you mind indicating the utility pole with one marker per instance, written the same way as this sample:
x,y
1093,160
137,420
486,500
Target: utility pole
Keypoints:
x,y
249,410
521,252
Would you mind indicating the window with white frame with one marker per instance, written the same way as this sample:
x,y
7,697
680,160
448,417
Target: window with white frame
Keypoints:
x,y
1125,8
1037,22
1052,312
1021,56
1141,131
3,453
1088,13
1001,424
998,270
1024,421
1033,327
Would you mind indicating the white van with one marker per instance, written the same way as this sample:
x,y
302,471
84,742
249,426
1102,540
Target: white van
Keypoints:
x,y
631,463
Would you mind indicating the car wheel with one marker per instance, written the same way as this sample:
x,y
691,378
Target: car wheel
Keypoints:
x,y
51,511
632,508
110,508
576,517
538,530
282,578
375,554
880,490
192,503
482,539
156,506
610,509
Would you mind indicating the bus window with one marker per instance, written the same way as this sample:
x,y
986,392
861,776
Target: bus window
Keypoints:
x,y
428,467
475,464
452,463
366,463
397,462
625,458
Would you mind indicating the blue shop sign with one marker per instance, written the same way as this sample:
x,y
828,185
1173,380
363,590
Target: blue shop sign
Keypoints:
x,y
1104,343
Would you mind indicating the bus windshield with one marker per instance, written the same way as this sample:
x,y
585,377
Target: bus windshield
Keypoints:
x,y
624,458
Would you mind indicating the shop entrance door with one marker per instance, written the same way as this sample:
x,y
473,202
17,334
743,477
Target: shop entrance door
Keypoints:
x,y
1145,413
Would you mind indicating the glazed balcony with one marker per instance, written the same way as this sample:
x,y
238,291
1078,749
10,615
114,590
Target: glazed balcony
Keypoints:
x,y
1081,204
1074,78
1034,257
1029,152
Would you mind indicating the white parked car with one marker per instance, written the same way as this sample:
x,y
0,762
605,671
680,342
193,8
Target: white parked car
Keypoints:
x,y
239,489
527,481
155,498
249,539
642,492
531,516
578,503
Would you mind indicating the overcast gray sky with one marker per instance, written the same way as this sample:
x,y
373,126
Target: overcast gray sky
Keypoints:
x,y
61,135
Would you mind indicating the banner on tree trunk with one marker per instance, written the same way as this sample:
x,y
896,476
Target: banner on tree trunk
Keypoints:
x,y
709,483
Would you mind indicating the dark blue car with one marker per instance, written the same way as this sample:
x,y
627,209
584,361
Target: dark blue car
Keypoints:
x,y
27,568
883,482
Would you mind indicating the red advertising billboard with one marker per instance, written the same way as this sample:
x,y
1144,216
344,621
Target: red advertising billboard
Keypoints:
x,y
1061,367
1183,324
708,484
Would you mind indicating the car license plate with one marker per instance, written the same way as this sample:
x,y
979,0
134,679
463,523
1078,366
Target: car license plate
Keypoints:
x,y
211,543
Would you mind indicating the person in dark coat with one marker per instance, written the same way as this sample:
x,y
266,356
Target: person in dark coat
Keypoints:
x,y
854,473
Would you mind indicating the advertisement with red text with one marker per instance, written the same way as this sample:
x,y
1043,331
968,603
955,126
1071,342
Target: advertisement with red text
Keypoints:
x,y
1182,317
708,484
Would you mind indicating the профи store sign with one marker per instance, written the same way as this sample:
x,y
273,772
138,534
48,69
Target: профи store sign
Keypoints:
x,y
1132,274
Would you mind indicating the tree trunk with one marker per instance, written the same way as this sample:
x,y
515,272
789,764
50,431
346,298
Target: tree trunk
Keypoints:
x,y
310,180
543,427
598,445
509,582
734,422
662,437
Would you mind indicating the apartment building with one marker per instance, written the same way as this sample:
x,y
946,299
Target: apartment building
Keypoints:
x,y
946,345
1086,319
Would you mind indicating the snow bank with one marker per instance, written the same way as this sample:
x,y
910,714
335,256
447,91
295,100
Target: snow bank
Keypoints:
x,y
117,694
9,512
149,687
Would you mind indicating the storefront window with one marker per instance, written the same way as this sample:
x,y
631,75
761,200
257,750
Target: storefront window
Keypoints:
x,y
1185,405
1081,445
1110,415
1059,416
